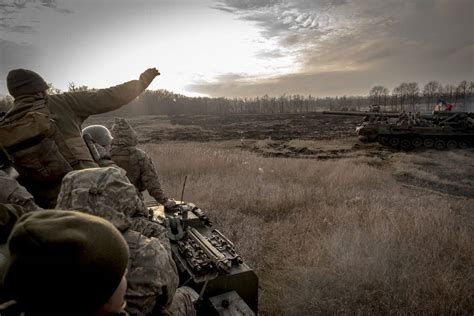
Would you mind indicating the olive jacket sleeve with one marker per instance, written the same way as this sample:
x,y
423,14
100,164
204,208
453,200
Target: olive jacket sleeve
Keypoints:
x,y
86,103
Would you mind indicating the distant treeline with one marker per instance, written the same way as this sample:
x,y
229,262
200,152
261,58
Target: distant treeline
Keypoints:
x,y
407,96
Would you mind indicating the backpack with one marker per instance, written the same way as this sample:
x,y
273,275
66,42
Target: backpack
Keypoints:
x,y
104,192
34,145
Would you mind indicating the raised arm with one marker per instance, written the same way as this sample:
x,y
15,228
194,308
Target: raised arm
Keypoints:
x,y
86,103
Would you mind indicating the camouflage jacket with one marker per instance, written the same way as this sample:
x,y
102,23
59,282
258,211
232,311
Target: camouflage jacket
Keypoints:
x,y
152,275
13,193
14,202
107,192
138,164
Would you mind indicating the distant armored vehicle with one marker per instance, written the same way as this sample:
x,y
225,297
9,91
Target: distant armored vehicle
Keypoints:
x,y
439,130
208,262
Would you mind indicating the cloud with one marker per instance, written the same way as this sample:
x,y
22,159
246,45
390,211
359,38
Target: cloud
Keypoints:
x,y
366,42
324,84
13,55
21,40
21,16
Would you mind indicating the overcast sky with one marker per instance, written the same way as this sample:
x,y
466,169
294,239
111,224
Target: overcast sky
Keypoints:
x,y
240,47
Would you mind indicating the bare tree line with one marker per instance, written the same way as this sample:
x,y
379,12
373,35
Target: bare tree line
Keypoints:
x,y
405,97
408,94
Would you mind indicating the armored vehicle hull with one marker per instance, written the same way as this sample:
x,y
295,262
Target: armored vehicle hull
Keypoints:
x,y
208,262
440,130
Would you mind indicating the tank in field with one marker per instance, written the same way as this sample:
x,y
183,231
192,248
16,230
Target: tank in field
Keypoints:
x,y
439,130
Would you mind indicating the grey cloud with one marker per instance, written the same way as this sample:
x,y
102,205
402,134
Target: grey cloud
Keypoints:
x,y
13,55
274,53
325,84
348,82
10,11
20,28
230,77
247,4
390,40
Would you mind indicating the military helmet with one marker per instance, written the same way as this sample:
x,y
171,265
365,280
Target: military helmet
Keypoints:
x,y
99,133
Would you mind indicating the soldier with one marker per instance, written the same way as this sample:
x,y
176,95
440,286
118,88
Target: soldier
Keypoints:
x,y
402,119
137,163
13,193
98,138
14,202
42,133
80,271
152,274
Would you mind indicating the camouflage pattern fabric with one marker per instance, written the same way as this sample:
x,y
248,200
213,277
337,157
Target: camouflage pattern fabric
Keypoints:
x,y
106,192
139,166
15,201
182,304
152,275
151,229
13,193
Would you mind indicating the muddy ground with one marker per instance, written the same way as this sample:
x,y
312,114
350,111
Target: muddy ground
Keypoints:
x,y
201,128
311,136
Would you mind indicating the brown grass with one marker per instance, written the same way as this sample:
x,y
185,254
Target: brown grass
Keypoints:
x,y
332,237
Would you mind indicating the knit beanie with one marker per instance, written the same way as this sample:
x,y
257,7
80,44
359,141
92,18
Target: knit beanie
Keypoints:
x,y
64,262
23,82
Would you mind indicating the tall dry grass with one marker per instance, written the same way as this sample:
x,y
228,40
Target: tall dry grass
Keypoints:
x,y
331,237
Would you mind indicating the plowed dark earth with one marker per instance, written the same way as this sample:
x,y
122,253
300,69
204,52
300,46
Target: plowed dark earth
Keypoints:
x,y
202,128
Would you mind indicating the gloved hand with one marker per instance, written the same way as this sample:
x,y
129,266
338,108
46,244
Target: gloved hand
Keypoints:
x,y
169,204
148,75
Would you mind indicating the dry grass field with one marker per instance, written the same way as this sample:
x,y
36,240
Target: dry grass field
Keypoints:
x,y
358,235
331,226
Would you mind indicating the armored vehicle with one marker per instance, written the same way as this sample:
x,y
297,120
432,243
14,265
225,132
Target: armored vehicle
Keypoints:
x,y
438,130
208,262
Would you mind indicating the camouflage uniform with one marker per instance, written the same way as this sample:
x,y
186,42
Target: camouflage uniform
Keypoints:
x,y
137,163
152,276
13,193
14,202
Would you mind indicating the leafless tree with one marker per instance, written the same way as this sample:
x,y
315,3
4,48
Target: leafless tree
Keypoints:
x,y
431,91
413,93
401,92
378,95
72,87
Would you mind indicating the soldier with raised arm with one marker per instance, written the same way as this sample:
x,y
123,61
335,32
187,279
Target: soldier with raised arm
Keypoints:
x,y
41,133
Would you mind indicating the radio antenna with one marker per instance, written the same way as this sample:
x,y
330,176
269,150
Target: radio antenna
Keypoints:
x,y
182,192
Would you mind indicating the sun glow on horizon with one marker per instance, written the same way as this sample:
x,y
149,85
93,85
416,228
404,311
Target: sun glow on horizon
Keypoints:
x,y
189,42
